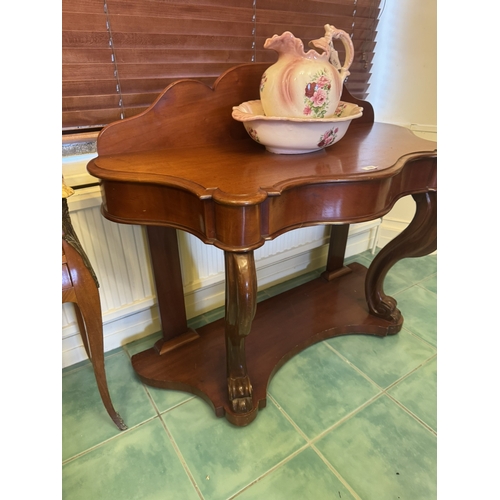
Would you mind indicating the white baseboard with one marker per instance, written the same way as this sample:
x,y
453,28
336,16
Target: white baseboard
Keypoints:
x,y
117,332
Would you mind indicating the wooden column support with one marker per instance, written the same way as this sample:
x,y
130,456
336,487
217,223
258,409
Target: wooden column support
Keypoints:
x,y
336,252
169,290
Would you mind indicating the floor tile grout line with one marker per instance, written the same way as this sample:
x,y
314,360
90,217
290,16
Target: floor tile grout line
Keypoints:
x,y
419,285
148,394
312,442
126,431
396,382
270,471
402,290
426,278
308,444
289,418
411,372
108,440
399,403
352,365
155,406
403,407
181,459
415,335
169,435
177,405
345,418
383,392
336,473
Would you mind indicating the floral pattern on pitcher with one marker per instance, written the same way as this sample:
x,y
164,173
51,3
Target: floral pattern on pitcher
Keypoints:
x,y
328,138
317,95
263,81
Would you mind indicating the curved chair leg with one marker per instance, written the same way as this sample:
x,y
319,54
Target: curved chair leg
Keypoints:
x,y
81,327
89,306
417,240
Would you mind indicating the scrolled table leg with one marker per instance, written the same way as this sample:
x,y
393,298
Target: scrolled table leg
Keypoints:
x,y
417,240
241,304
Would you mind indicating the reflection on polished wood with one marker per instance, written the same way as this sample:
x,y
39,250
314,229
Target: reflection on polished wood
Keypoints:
x,y
186,164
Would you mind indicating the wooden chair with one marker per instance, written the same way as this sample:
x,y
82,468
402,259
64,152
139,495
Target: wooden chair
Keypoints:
x,y
80,286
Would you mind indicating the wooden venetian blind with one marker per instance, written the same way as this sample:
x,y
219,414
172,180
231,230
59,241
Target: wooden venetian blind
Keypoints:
x,y
118,55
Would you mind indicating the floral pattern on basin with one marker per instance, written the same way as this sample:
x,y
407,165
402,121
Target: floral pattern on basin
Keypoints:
x,y
253,134
328,138
282,135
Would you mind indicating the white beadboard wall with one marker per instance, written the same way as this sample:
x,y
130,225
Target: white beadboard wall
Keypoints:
x,y
120,257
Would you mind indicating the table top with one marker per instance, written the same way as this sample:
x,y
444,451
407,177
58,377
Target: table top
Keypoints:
x,y
173,166
244,167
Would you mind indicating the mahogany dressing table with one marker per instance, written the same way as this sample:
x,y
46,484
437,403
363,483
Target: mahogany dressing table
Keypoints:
x,y
186,164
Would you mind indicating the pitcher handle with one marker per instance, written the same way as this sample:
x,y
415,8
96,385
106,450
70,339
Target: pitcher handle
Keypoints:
x,y
326,44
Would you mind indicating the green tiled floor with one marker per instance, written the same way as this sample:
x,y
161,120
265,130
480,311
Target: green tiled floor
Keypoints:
x,y
365,428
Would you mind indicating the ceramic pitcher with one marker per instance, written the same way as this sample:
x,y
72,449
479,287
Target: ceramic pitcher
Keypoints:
x,y
305,85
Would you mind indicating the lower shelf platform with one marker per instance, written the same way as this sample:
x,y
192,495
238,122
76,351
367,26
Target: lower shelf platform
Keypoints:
x,y
283,326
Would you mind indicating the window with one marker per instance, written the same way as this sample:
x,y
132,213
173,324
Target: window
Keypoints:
x,y
118,55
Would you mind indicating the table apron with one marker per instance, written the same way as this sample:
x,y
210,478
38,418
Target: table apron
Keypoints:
x,y
245,227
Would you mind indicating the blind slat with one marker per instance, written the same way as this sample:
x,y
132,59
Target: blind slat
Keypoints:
x,y
149,12
192,70
157,41
119,55
99,101
88,88
168,25
180,56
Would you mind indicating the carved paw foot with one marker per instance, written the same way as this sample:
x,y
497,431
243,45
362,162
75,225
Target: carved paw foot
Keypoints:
x,y
240,394
386,309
